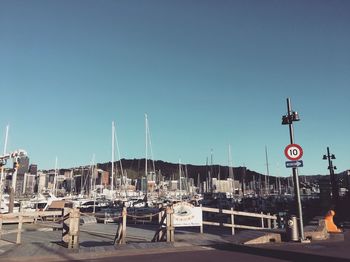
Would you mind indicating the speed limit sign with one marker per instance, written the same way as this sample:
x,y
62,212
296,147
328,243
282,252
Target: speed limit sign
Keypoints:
x,y
293,152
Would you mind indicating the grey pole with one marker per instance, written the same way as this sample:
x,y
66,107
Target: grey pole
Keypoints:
x,y
335,191
295,174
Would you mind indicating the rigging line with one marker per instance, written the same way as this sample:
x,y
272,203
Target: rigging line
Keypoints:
x,y
150,145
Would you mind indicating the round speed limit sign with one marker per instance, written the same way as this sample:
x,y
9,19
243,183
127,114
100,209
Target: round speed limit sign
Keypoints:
x,y
293,152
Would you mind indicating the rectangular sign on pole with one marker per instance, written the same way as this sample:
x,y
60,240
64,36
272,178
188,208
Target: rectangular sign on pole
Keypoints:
x,y
298,163
187,215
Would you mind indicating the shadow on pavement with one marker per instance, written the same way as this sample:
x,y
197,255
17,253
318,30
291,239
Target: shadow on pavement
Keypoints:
x,y
96,243
274,253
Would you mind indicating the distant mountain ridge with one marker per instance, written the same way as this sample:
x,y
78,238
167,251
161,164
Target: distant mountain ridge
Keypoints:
x,y
136,168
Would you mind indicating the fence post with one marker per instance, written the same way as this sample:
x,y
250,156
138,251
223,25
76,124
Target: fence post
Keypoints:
x,y
169,224
201,226
269,221
262,220
19,231
160,213
70,232
274,223
124,226
232,221
0,226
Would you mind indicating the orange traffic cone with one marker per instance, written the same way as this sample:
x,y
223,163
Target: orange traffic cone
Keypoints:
x,y
331,227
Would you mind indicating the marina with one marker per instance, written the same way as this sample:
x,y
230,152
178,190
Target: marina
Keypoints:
x,y
174,130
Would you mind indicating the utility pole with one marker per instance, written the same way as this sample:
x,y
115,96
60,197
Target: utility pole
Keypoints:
x,y
288,120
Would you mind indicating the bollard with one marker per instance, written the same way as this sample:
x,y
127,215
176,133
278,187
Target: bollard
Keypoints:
x,y
292,229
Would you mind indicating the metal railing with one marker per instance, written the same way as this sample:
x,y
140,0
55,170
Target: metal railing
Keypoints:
x,y
271,220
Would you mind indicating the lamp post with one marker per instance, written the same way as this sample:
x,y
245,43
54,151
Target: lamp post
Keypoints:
x,y
288,120
335,192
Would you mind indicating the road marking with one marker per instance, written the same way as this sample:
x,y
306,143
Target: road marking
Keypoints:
x,y
208,248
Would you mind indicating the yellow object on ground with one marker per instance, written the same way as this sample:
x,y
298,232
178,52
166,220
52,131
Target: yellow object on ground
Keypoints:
x,y
331,227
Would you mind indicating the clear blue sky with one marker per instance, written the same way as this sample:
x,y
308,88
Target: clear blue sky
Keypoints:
x,y
207,73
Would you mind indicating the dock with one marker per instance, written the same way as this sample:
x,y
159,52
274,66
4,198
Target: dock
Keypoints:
x,y
96,242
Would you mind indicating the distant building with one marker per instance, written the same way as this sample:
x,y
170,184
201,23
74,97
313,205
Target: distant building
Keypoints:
x,y
33,169
23,165
42,185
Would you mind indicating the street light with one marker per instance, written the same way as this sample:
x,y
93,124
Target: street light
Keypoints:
x,y
335,192
288,120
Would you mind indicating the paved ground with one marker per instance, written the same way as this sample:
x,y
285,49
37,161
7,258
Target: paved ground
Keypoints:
x,y
96,244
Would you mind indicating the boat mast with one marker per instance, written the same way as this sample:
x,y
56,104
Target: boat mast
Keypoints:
x,y
55,179
120,160
112,179
180,175
230,171
3,164
91,175
146,149
267,177
230,168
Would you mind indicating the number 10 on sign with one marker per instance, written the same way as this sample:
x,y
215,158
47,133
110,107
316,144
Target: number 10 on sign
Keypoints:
x,y
293,152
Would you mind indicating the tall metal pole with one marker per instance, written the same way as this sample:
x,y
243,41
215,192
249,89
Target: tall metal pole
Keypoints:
x,y
2,165
146,149
335,192
112,171
180,178
267,177
295,174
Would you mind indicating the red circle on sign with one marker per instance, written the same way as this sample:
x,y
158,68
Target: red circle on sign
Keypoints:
x,y
293,152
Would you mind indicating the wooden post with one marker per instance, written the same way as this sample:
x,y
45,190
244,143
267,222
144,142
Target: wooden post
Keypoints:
x,y
201,226
160,213
19,232
12,199
172,225
74,223
124,226
0,226
262,220
232,221
275,223
169,224
269,222
70,232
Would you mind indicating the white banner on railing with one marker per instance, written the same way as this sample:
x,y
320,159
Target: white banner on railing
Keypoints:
x,y
187,215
